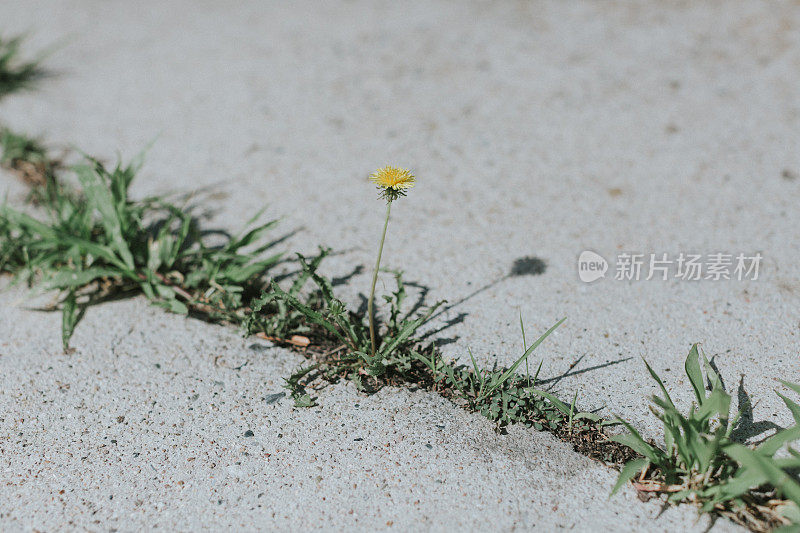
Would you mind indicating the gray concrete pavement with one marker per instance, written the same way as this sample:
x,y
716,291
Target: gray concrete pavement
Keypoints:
x,y
537,129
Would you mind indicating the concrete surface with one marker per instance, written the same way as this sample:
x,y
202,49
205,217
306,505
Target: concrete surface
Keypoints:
x,y
535,129
145,427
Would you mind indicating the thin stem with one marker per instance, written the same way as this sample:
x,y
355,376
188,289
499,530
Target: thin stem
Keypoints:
x,y
375,280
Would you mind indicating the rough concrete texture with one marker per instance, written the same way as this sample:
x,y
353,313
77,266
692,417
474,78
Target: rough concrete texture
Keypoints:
x,y
146,427
535,128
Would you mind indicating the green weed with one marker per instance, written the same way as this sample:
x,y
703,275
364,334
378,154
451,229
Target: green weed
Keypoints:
x,y
504,396
699,461
97,241
15,73
349,336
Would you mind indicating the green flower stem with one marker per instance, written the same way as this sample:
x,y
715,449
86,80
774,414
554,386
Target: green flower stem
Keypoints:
x,y
375,279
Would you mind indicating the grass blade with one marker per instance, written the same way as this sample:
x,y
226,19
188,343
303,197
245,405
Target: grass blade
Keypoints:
x,y
692,367
627,473
510,371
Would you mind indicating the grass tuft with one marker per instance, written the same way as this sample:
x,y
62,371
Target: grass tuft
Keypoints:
x,y
96,242
15,73
699,461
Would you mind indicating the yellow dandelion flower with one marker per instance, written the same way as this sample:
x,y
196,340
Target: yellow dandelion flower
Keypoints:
x,y
392,182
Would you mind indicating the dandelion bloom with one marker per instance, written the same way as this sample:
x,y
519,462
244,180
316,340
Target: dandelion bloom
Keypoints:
x,y
392,182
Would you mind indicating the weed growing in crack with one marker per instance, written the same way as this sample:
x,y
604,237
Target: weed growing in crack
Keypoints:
x,y
15,73
96,242
372,356
700,463
272,317
362,353
349,352
392,182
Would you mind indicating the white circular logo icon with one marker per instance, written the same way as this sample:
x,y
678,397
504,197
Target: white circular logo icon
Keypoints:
x,y
591,266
